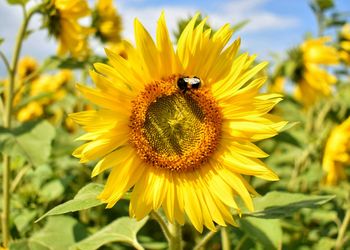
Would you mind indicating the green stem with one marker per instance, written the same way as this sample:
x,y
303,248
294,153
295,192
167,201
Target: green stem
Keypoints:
x,y
205,239
6,62
340,239
7,65
7,124
225,240
156,216
6,201
321,24
19,177
2,107
320,17
137,246
175,242
241,242
172,232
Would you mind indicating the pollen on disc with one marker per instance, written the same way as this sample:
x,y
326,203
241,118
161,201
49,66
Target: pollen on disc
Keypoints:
x,y
172,129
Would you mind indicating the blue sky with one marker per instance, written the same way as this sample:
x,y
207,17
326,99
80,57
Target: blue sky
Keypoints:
x,y
274,26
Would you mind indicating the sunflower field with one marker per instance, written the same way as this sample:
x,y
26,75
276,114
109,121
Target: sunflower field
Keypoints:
x,y
175,139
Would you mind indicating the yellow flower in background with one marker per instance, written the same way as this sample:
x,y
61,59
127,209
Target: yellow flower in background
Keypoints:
x,y
26,66
277,86
45,90
31,111
107,21
70,125
179,126
314,81
337,153
51,85
63,24
344,43
345,32
120,48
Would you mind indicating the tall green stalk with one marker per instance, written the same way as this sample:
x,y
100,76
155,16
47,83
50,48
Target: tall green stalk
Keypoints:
x,y
172,232
225,240
7,123
342,231
176,239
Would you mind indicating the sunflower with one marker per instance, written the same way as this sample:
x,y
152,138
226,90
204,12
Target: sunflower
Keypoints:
x,y
31,111
179,126
62,22
313,81
52,86
27,66
107,22
337,153
45,90
344,41
119,48
277,84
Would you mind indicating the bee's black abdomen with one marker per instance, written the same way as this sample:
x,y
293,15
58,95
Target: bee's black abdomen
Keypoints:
x,y
182,84
196,84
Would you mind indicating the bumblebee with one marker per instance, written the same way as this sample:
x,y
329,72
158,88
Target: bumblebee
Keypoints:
x,y
186,83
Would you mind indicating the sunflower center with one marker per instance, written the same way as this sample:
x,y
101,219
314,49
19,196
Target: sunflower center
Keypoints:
x,y
173,124
52,21
172,129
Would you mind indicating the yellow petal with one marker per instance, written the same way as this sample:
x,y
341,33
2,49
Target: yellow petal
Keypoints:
x,y
148,50
113,159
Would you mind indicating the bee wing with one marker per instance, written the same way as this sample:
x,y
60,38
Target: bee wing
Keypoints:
x,y
194,80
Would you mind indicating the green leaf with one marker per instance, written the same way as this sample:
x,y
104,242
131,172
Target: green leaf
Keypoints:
x,y
289,125
121,230
321,216
40,175
24,218
267,231
60,232
325,243
27,244
154,245
85,198
281,204
52,190
32,140
324,4
21,2
1,40
287,138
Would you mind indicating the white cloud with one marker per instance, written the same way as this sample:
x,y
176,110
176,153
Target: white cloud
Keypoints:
x,y
252,10
230,12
